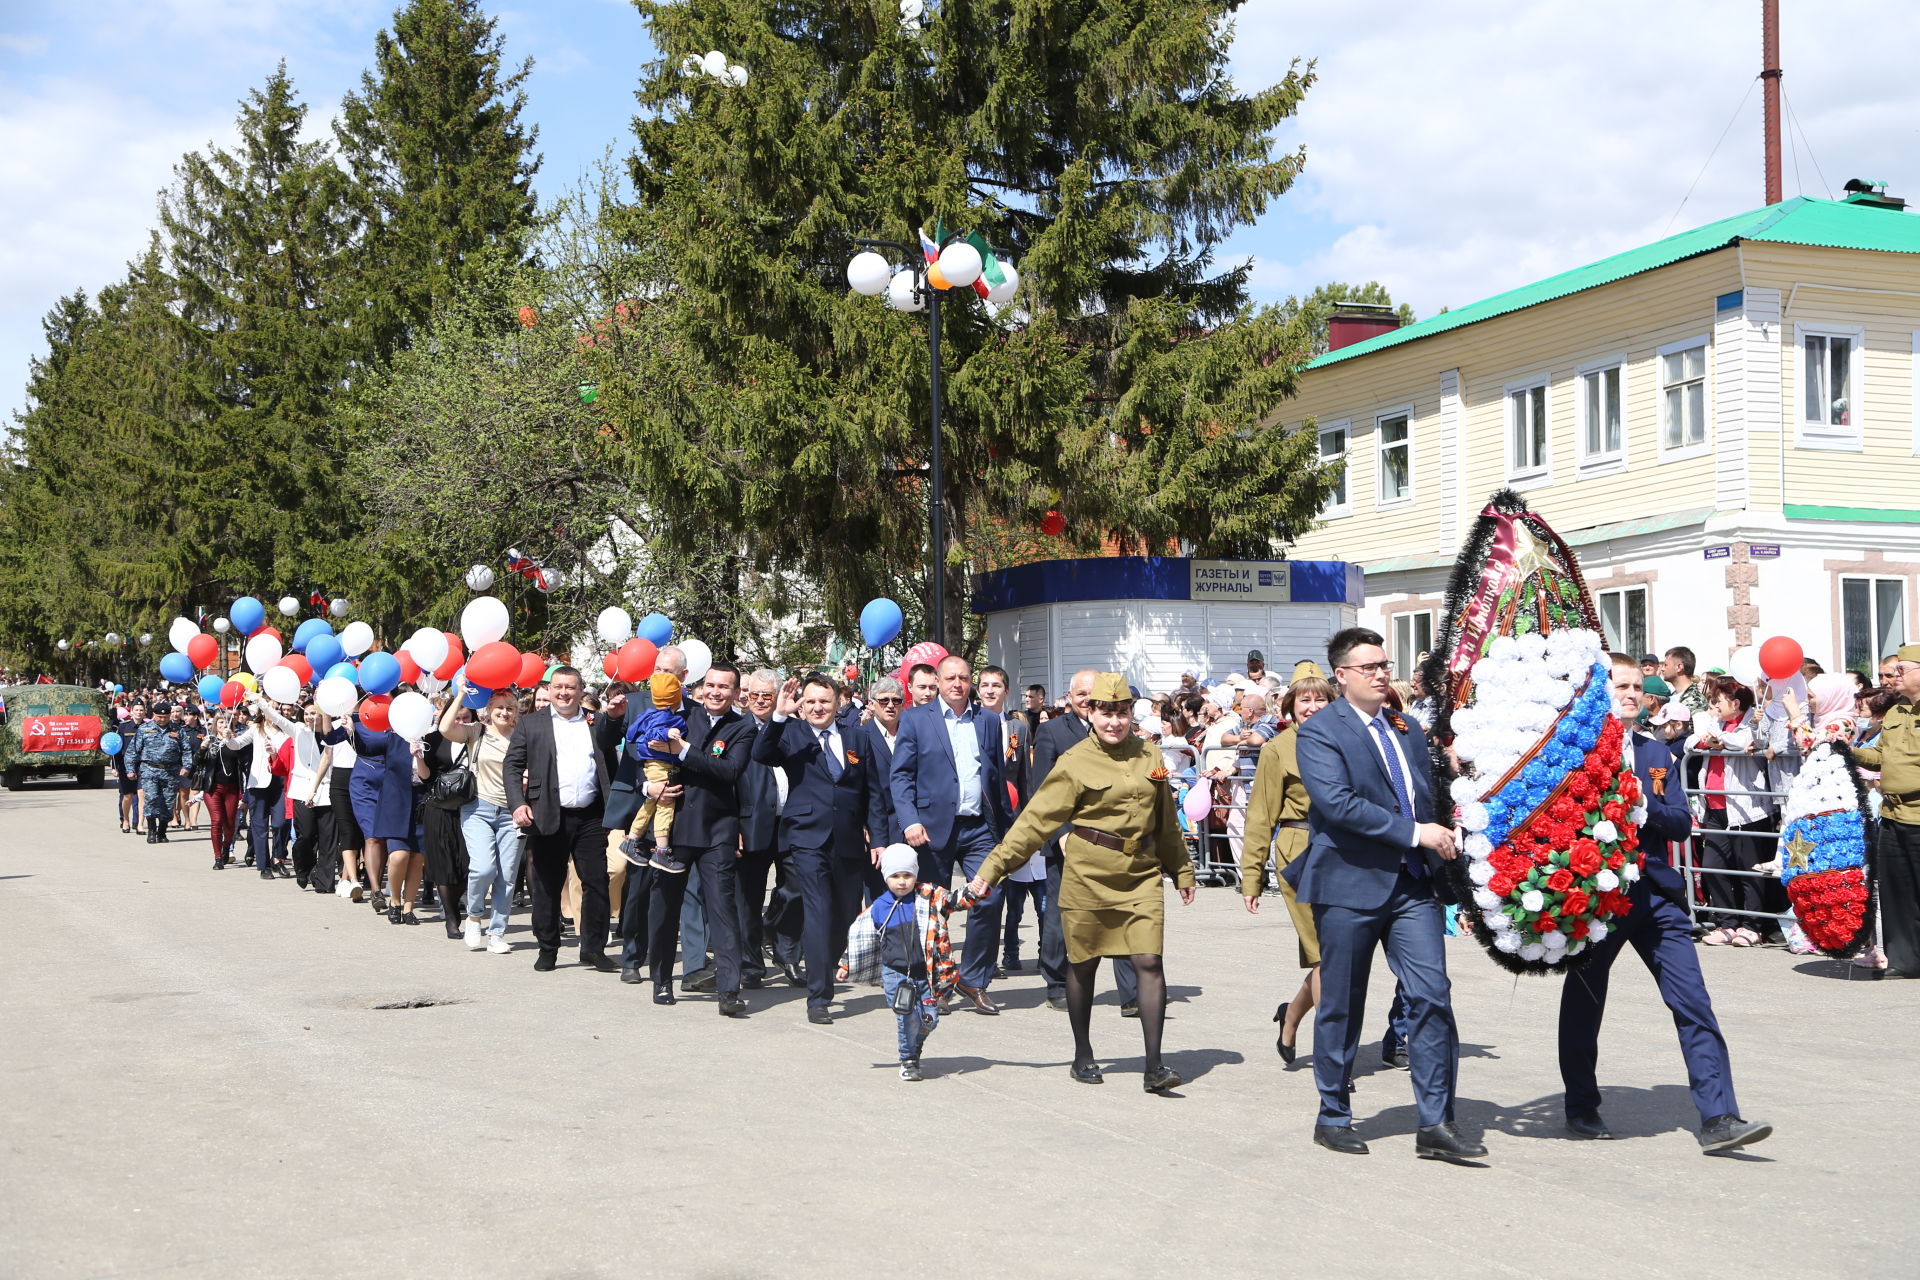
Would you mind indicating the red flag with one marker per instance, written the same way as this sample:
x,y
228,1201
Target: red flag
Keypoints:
x,y
317,600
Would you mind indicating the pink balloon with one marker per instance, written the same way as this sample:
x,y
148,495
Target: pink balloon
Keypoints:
x,y
1198,801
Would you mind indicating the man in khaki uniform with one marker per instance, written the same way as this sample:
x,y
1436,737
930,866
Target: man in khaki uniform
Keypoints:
x,y
1897,859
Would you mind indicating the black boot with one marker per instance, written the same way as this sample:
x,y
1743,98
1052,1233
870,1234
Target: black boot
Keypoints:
x,y
162,820
153,830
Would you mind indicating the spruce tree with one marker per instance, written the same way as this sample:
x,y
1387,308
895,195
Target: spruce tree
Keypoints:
x,y
1098,145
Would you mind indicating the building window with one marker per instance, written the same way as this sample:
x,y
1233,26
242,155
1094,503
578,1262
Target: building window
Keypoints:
x,y
1412,636
1333,448
1830,385
1683,395
1527,431
1601,412
1623,617
1396,458
1873,620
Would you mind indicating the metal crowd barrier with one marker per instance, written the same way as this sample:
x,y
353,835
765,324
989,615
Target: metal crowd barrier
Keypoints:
x,y
1214,846
1686,857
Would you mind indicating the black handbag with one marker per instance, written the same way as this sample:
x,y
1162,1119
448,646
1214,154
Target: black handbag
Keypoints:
x,y
452,787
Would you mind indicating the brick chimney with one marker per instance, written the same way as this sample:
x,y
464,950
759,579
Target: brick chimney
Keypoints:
x,y
1358,321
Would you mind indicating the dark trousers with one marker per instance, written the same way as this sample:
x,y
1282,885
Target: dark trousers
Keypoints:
x,y
1411,928
1015,895
1724,849
829,888
1898,871
326,859
750,872
1663,935
784,915
582,840
718,893
972,840
263,822
1053,943
306,834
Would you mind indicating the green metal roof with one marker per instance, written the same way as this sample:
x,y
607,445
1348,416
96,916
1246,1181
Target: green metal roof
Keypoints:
x,y
1835,224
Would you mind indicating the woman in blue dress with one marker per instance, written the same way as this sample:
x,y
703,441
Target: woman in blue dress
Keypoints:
x,y
382,792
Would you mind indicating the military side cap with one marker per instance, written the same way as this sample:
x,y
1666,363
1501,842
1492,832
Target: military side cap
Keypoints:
x,y
1111,686
1908,653
1307,669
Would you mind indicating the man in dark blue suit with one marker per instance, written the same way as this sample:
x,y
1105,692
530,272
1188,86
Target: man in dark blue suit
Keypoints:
x,y
762,791
886,700
950,801
822,825
1659,929
1369,872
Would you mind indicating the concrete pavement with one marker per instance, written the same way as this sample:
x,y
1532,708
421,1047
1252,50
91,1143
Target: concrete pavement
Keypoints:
x,y
198,1081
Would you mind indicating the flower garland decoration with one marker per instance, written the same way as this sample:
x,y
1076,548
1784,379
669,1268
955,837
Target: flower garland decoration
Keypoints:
x,y
1823,851
1528,749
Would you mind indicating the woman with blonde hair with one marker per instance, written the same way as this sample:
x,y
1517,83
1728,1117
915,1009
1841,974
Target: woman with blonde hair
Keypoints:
x,y
486,823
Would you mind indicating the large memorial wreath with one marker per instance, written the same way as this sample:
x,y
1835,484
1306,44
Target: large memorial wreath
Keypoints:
x,y
1823,851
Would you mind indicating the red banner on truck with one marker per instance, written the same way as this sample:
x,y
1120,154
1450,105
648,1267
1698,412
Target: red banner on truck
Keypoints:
x,y
60,733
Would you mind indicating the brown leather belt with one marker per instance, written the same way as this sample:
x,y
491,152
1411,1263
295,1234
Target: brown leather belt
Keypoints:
x,y
1100,838
1907,797
1293,824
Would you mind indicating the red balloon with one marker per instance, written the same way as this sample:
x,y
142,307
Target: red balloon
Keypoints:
x,y
607,664
533,666
1781,657
373,711
409,669
202,650
456,658
298,664
528,317
634,660
1053,524
493,666
231,692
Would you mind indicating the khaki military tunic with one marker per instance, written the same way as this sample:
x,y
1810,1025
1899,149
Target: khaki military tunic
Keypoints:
x,y
1111,901
1279,798
1897,757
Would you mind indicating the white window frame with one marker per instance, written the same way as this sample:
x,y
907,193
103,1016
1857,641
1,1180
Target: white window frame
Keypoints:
x,y
1404,652
1873,602
1604,462
1818,435
1621,643
1345,427
1533,477
1677,453
1380,501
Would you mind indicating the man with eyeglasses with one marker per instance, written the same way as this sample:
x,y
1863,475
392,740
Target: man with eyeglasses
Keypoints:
x,y
763,794
1897,864
1370,872
887,700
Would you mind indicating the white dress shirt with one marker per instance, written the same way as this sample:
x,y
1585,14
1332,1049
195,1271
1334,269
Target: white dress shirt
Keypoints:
x,y
964,737
573,764
1380,748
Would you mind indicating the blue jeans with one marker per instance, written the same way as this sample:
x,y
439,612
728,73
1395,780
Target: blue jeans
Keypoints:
x,y
915,1027
493,860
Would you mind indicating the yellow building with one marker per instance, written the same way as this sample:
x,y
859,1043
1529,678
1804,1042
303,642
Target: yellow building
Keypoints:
x,y
1723,424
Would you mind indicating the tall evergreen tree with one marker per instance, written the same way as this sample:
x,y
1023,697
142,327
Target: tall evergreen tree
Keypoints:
x,y
1098,144
442,164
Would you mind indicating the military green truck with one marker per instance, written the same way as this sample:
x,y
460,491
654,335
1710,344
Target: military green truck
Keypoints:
x,y
50,729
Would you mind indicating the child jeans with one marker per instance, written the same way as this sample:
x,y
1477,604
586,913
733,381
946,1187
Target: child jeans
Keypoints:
x,y
916,1026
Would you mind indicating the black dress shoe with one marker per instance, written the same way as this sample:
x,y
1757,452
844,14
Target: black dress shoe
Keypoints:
x,y
393,915
1443,1142
1057,1003
1287,1052
1397,1059
753,982
1587,1124
1724,1133
732,1006
1088,1073
1160,1079
663,994
630,975
407,917
601,963
1131,1009
545,961
700,980
1339,1137
791,972
819,1016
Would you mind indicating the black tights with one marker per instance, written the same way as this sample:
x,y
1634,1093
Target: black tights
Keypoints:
x,y
1153,1006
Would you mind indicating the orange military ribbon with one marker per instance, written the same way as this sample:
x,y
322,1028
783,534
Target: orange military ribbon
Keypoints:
x,y
1659,777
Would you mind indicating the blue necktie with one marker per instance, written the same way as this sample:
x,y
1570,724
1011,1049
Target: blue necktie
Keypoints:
x,y
1416,863
834,767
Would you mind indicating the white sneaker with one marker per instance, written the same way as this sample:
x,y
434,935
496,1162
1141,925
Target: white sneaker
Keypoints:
x,y
499,945
471,931
344,889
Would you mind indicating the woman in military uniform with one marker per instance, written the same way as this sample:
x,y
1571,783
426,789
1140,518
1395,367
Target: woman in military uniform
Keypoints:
x,y
1277,816
1110,793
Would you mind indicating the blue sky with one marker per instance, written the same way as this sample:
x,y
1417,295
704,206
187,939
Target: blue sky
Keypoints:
x,y
1455,147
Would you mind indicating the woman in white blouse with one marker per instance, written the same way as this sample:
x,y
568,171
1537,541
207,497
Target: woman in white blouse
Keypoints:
x,y
493,841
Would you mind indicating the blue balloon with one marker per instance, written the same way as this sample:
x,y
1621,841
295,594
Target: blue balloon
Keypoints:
x,y
111,743
346,669
655,628
176,668
119,688
246,615
324,650
478,699
379,672
304,634
880,622
210,688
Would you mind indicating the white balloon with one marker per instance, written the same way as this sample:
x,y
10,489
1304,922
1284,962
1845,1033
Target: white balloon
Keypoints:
x,y
699,659
714,64
1744,666
1004,291
411,716
960,264
736,75
336,695
868,273
549,580
338,607
113,638
483,621
912,8
281,684
1142,708
614,625
903,293
480,578
180,632
61,645
288,606
691,63
355,639
146,638
429,684
264,652
222,625
428,647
